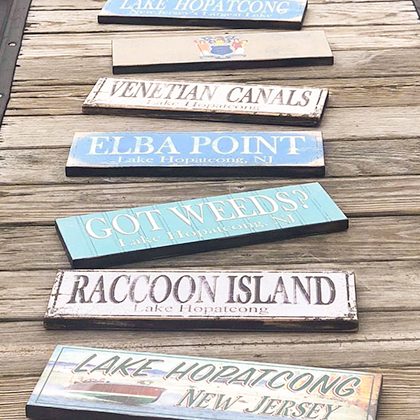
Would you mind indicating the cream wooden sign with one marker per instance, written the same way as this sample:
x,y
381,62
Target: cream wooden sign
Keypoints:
x,y
180,299
174,99
209,50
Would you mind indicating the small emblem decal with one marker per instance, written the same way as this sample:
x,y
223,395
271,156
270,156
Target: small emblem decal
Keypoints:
x,y
221,47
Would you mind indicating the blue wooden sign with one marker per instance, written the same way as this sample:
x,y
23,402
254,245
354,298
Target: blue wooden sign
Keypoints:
x,y
136,234
237,13
198,154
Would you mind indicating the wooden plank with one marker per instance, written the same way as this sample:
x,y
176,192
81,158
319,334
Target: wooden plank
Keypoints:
x,y
207,51
99,44
137,234
197,154
176,99
318,15
326,349
72,373
210,300
357,197
364,241
381,286
384,124
349,64
62,100
400,327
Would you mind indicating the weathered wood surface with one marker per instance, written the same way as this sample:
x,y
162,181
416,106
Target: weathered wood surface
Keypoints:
x,y
318,15
388,91
99,44
363,196
366,63
26,244
25,294
371,132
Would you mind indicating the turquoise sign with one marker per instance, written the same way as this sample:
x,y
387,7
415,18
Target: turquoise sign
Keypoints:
x,y
198,154
136,234
282,13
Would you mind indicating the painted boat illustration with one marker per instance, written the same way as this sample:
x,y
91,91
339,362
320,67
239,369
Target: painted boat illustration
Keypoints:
x,y
132,394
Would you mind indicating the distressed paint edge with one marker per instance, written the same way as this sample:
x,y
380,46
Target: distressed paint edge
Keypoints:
x,y
114,259
206,115
348,323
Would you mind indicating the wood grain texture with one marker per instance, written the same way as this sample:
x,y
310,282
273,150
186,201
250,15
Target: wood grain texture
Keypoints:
x,y
352,124
337,350
27,246
347,64
318,15
357,197
99,44
371,129
381,286
386,91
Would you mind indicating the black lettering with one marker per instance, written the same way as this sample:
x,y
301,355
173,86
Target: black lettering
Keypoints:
x,y
112,297
331,285
305,97
192,287
99,288
257,298
244,288
168,289
79,290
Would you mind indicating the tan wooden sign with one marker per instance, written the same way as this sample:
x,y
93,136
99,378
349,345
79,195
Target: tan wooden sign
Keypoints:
x,y
207,51
180,299
175,99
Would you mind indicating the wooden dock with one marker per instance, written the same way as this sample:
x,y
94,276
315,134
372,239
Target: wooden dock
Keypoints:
x,y
371,129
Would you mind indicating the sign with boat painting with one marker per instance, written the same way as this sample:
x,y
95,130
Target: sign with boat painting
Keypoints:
x,y
96,383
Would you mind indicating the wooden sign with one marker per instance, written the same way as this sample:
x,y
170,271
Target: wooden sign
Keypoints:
x,y
142,233
245,14
219,51
208,101
179,299
197,154
93,383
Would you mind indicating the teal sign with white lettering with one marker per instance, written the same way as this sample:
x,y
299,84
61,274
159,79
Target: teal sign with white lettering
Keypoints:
x,y
136,234
198,154
280,13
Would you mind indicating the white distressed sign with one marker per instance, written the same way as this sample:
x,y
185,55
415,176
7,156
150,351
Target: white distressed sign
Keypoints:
x,y
196,299
173,99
